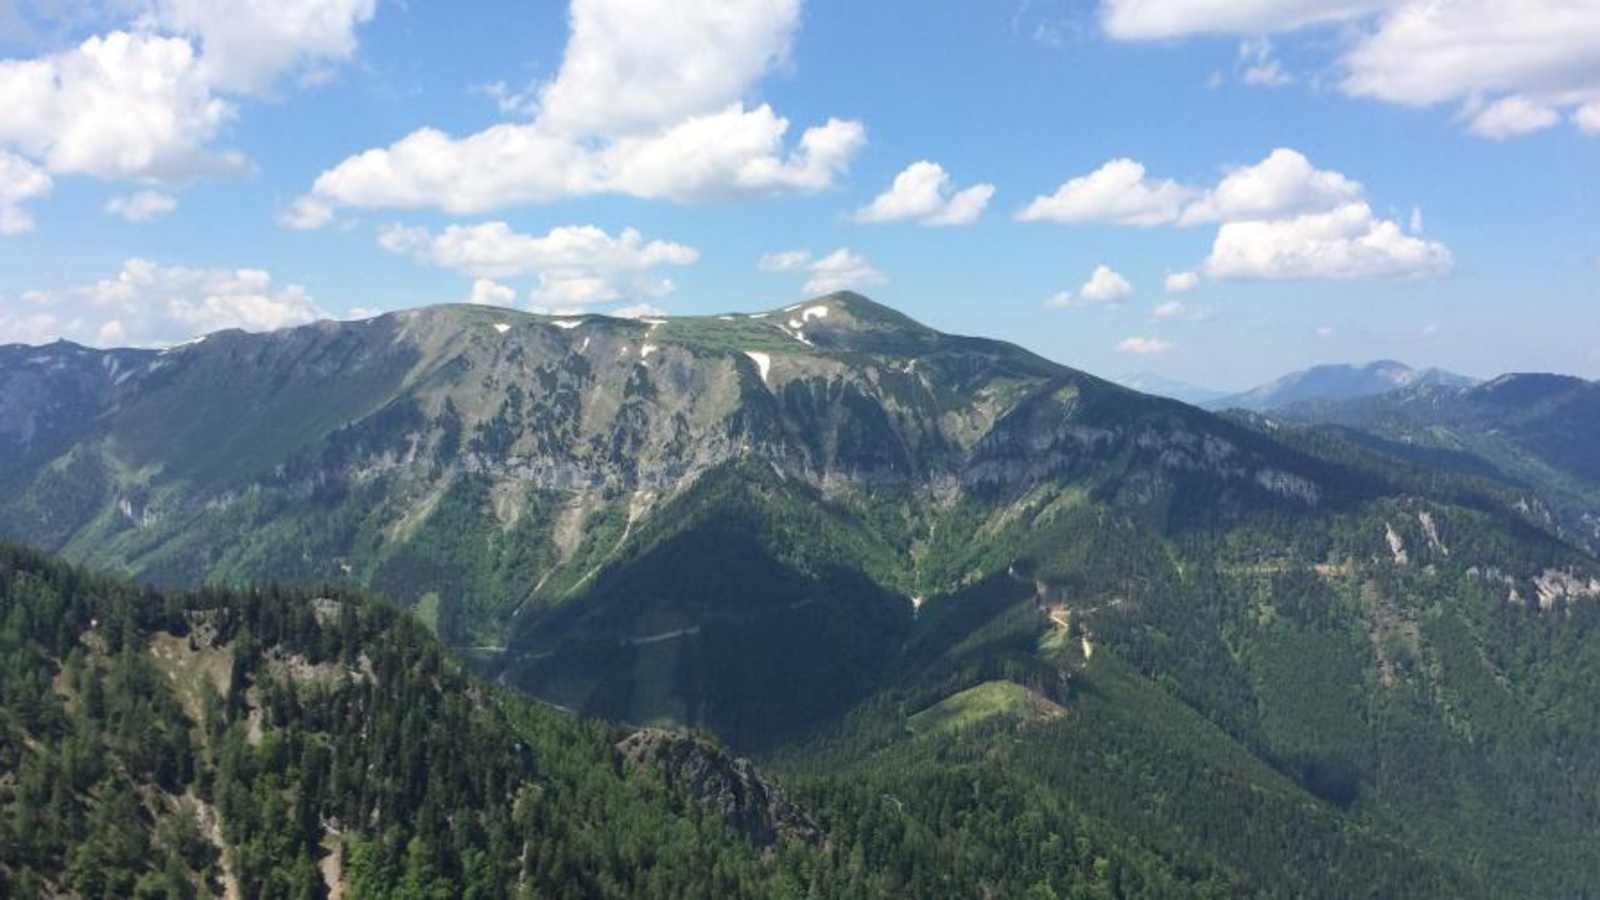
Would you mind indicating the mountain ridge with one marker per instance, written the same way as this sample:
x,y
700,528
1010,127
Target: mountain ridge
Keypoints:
x,y
1335,381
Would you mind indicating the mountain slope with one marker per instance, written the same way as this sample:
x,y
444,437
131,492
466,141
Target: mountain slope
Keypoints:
x,y
277,744
1336,382
297,744
1534,431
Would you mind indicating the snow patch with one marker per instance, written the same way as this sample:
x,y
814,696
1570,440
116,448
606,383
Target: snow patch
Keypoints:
x,y
793,308
726,318
759,315
182,344
567,323
796,324
814,312
646,350
585,344
763,363
502,327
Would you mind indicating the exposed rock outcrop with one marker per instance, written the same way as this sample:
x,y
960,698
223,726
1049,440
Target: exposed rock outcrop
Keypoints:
x,y
727,785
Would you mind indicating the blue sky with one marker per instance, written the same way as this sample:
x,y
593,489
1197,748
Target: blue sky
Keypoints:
x,y
1340,180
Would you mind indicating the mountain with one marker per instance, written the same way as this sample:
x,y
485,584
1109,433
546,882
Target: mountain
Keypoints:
x,y
1533,431
1151,383
998,624
1336,382
537,483
289,744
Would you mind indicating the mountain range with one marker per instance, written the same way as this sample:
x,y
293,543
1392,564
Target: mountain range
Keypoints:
x,y
1254,654
1335,382
1536,432
1161,386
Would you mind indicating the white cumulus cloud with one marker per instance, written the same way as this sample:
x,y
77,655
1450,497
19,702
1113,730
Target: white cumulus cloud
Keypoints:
x,y
1348,242
1121,193
147,99
574,266
843,269
1511,117
730,152
1181,282
247,44
632,67
1587,118
119,106
638,311
784,261
20,181
141,206
1177,311
148,304
1144,346
305,214
1279,218
1514,67
1284,183
487,292
649,102
1117,193
925,193
1105,286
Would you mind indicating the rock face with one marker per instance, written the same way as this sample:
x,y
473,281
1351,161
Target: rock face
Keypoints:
x,y
729,786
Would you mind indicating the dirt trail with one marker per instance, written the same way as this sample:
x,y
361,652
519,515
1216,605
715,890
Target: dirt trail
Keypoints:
x,y
663,636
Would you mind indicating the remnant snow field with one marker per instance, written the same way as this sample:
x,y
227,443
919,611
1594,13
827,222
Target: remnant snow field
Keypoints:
x,y
763,362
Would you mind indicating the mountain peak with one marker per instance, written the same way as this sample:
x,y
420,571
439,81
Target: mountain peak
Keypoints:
x,y
847,310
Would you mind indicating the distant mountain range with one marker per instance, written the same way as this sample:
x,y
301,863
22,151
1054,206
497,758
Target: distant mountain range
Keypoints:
x,y
1537,431
1336,382
1161,386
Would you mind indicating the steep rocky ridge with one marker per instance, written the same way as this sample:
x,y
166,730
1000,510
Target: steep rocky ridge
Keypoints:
x,y
731,787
